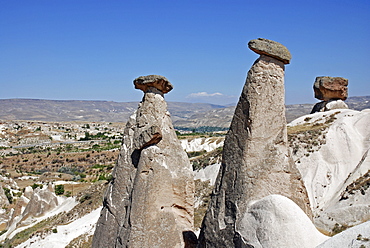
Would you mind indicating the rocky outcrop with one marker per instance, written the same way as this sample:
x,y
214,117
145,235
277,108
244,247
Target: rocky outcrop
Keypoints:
x,y
16,216
333,157
332,91
35,203
149,202
357,236
42,201
256,158
202,144
327,88
276,221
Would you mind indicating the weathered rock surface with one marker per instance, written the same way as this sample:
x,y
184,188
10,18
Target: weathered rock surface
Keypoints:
x,y
42,201
16,217
270,48
256,158
159,82
335,104
28,192
335,167
276,221
331,88
202,144
149,202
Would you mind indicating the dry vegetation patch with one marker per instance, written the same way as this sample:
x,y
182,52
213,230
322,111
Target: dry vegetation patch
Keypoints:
x,y
362,184
202,159
307,138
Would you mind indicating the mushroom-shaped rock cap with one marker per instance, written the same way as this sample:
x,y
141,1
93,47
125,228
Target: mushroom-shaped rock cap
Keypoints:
x,y
159,82
270,48
331,88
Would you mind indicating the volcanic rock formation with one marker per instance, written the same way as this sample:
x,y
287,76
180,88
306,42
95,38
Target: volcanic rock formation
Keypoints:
x,y
332,91
256,158
149,202
276,221
334,162
34,203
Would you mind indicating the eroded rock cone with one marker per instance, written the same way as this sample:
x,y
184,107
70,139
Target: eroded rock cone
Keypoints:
x,y
256,158
332,91
149,202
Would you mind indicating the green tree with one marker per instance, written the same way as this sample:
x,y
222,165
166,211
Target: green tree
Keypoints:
x,y
59,189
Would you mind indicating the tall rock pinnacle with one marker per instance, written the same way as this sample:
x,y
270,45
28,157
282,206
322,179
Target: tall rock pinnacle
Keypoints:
x,y
256,157
149,202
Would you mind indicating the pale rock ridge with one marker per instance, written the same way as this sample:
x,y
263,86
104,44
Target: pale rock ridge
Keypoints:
x,y
276,221
149,202
256,158
200,144
65,233
208,174
42,200
354,237
337,172
32,205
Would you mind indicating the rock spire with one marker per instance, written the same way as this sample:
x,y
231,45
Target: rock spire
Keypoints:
x,y
256,158
332,91
149,202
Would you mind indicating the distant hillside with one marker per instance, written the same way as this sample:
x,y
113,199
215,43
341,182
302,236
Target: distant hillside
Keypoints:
x,y
75,110
358,102
183,114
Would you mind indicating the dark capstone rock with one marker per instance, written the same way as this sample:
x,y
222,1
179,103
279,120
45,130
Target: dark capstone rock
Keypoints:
x,y
270,48
159,82
331,88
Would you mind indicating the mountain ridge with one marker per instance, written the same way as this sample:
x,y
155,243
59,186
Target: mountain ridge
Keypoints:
x,y
182,113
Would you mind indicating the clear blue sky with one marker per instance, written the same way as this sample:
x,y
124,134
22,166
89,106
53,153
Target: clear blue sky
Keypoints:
x,y
92,50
